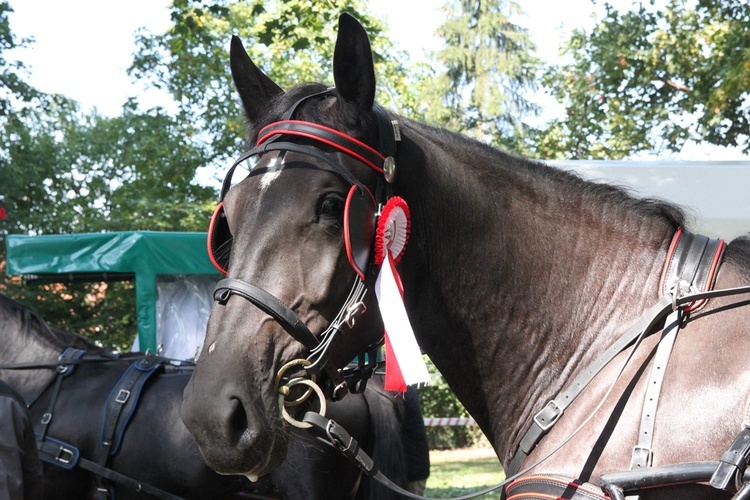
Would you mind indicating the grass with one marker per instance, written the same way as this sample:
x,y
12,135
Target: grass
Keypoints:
x,y
463,471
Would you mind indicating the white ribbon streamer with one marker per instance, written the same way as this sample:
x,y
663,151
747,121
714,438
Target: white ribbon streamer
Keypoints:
x,y
397,324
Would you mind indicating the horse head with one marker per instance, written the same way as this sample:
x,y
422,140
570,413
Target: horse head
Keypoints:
x,y
294,239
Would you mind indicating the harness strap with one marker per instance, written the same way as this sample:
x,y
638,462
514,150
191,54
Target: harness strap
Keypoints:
x,y
691,266
331,433
731,474
325,135
64,368
122,401
642,452
67,456
548,416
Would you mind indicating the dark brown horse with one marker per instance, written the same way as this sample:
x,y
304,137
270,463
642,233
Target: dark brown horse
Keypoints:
x,y
517,277
155,448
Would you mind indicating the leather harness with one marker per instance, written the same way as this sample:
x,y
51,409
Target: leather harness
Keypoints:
x,y
689,275
691,267
119,407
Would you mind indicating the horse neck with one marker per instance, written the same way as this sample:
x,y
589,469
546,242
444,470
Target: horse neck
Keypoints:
x,y
514,269
25,340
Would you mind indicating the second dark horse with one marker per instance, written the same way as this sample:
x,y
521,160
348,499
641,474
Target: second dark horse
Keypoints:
x,y
156,448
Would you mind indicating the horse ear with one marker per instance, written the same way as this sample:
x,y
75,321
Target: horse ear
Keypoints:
x,y
353,69
255,88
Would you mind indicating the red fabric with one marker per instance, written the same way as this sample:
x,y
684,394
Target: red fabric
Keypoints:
x,y
394,380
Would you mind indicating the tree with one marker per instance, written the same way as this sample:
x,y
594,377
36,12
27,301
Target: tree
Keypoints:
x,y
291,41
488,68
653,78
63,171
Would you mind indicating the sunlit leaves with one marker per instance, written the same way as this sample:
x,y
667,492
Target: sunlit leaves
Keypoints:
x,y
651,79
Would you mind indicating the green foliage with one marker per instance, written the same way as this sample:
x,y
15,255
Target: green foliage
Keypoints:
x,y
291,41
438,400
651,79
489,68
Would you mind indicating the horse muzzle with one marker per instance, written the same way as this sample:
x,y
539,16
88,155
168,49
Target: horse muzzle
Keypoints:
x,y
236,434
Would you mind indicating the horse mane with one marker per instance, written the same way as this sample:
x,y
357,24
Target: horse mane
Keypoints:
x,y
738,254
488,161
33,322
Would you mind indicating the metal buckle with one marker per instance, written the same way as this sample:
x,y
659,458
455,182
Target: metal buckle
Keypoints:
x,y
64,455
353,311
639,460
122,396
546,421
46,418
335,440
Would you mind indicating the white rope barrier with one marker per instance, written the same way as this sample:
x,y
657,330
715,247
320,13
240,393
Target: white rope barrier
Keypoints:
x,y
447,421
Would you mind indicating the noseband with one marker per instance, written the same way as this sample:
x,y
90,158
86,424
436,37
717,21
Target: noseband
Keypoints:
x,y
360,213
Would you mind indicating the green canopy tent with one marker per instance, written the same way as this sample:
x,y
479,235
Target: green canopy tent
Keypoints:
x,y
145,256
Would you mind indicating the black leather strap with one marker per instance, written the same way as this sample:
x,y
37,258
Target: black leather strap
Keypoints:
x,y
734,461
548,416
324,135
67,456
64,368
333,434
693,260
270,305
123,400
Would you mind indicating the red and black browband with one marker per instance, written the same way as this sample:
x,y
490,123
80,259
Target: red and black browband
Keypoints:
x,y
271,138
326,135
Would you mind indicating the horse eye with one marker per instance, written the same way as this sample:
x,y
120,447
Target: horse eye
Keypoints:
x,y
332,206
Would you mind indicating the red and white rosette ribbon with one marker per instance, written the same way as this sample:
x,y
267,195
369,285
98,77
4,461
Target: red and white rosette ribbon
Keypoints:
x,y
404,363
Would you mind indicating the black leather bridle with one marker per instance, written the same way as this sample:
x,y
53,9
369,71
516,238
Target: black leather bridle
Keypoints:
x,y
278,136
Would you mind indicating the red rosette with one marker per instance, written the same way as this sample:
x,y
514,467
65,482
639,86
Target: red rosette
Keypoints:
x,y
392,232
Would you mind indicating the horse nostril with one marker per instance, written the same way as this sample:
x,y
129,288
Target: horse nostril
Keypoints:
x,y
237,420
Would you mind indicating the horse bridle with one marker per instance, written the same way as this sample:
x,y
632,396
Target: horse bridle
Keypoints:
x,y
360,212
